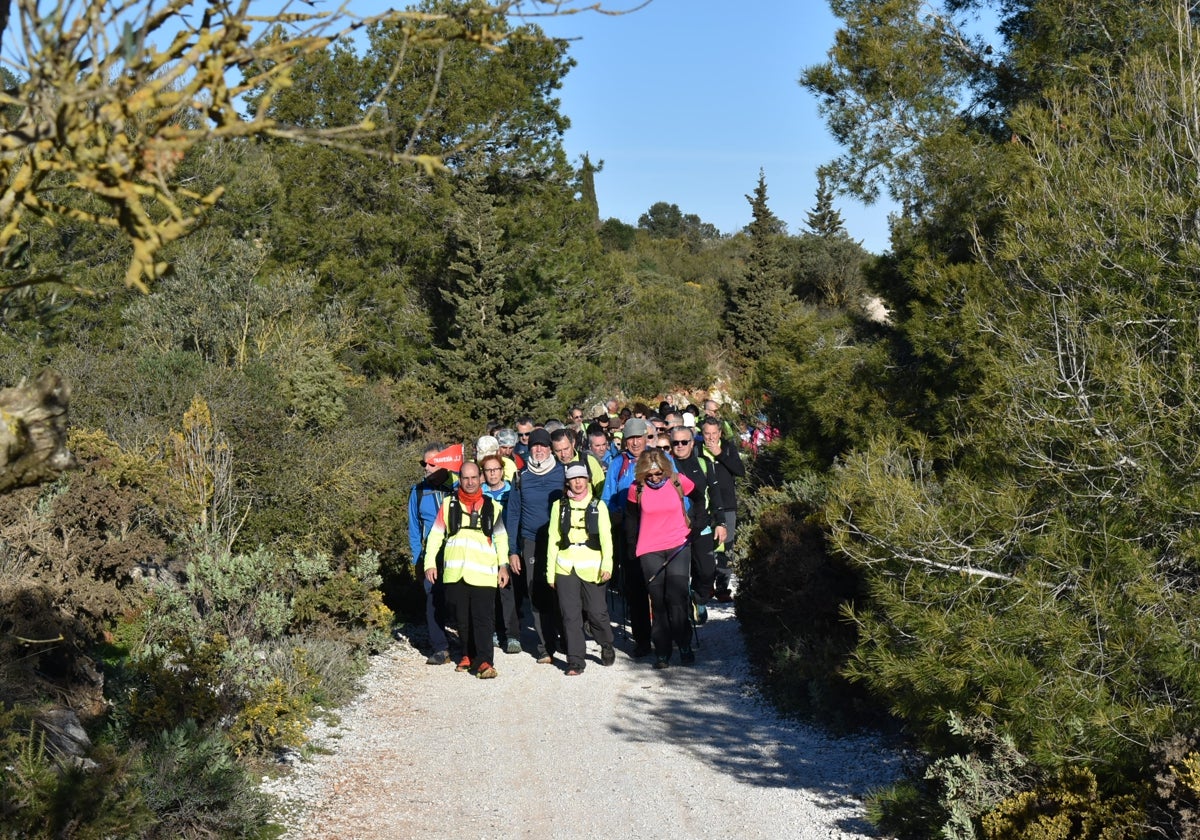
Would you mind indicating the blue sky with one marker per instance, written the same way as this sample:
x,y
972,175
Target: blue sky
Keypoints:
x,y
685,100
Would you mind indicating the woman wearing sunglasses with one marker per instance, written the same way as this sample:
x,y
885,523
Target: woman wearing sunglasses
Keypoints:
x,y
657,501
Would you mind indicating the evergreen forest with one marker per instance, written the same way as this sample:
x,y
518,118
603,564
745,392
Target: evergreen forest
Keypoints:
x,y
270,282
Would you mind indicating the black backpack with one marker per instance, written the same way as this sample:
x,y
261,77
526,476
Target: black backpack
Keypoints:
x,y
591,523
481,520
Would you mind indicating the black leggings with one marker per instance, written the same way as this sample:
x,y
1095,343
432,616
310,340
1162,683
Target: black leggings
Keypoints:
x,y
666,575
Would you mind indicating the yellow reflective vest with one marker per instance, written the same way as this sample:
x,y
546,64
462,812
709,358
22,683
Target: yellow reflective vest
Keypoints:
x,y
468,554
587,555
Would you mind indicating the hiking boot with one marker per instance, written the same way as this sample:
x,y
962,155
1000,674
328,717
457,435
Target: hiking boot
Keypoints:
x,y
548,659
724,596
640,651
607,655
687,656
662,663
495,640
514,646
487,672
464,664
439,657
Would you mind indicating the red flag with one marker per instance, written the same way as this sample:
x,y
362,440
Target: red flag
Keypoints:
x,y
450,458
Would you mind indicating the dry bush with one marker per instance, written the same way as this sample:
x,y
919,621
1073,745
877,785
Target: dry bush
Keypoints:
x,y
68,553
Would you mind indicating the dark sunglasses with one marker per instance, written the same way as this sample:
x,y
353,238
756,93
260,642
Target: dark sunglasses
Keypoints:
x,y
655,474
680,442
523,434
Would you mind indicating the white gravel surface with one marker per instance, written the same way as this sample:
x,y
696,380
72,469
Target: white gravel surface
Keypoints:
x,y
624,752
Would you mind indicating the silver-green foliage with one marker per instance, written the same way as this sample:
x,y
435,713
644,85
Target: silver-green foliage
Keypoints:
x,y
246,597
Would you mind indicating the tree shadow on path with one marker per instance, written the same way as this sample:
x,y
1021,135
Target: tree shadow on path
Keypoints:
x,y
714,712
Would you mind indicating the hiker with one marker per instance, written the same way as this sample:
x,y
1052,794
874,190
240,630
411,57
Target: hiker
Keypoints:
x,y
507,440
600,445
576,425
424,502
618,480
707,509
728,432
724,453
656,502
562,444
578,566
524,427
508,622
474,563
527,519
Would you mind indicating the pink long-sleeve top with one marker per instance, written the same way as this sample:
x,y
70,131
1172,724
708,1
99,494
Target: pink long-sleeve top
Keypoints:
x,y
664,524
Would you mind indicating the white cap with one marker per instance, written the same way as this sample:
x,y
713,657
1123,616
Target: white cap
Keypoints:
x,y
577,470
486,445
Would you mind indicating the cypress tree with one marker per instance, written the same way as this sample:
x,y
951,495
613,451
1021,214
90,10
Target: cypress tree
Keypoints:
x,y
587,189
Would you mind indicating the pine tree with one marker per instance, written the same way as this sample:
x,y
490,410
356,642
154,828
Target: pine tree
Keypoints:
x,y
759,298
824,220
1033,561
497,357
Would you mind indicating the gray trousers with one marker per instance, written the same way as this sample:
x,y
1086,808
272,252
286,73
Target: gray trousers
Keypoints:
x,y
575,597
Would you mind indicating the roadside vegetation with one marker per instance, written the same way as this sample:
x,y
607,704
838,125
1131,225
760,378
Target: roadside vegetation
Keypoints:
x,y
976,528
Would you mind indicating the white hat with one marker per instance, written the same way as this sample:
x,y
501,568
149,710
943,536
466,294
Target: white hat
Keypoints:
x,y
577,470
486,445
689,420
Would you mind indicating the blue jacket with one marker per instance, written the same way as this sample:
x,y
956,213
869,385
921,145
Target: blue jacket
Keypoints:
x,y
423,504
528,508
500,495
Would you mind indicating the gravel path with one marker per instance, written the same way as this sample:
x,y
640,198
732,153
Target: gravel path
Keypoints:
x,y
625,752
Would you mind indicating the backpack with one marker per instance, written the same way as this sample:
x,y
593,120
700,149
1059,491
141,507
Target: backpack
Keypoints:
x,y
438,489
454,518
625,462
591,523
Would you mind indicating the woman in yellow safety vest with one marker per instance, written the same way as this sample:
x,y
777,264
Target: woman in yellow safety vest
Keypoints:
x,y
579,561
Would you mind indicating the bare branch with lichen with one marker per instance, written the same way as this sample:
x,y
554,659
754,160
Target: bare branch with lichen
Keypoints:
x,y
101,111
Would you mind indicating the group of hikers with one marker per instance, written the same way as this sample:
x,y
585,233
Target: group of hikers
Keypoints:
x,y
552,515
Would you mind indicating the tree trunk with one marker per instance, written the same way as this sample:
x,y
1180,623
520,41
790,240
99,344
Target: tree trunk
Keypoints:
x,y
33,431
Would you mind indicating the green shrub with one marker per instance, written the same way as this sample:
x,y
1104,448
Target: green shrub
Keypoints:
x,y
969,784
196,788
43,798
272,717
230,644
791,595
315,390
160,688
